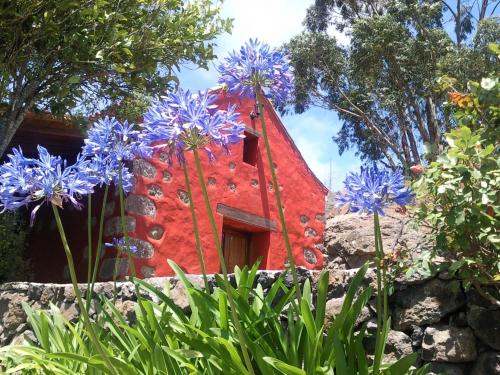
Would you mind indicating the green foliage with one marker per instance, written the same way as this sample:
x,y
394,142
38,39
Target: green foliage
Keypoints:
x,y
66,56
13,231
460,191
383,83
282,337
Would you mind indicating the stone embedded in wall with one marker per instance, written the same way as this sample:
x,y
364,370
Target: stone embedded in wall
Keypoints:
x,y
426,303
143,168
108,267
232,186
480,319
488,363
333,308
398,345
155,191
183,196
156,232
211,181
304,219
167,176
113,226
446,368
448,344
254,182
11,311
310,232
164,157
320,217
310,256
232,166
320,247
140,205
145,249
147,271
270,187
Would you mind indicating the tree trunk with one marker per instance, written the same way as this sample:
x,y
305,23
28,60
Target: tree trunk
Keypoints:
x,y
433,126
413,146
10,122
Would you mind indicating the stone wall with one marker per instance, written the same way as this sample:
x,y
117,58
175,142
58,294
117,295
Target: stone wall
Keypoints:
x,y
456,330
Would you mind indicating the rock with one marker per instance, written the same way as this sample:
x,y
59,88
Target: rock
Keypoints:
x,y
179,294
443,368
156,232
486,325
113,225
397,346
143,168
127,309
69,311
351,237
144,249
488,363
140,205
11,310
417,336
310,256
426,303
448,344
333,308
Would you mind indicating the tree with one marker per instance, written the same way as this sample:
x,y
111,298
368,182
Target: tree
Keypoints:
x,y
69,56
384,85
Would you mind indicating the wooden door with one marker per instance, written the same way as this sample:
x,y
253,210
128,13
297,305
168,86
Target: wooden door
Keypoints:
x,y
235,247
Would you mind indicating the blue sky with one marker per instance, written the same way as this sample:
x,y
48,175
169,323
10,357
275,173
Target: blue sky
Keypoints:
x,y
275,22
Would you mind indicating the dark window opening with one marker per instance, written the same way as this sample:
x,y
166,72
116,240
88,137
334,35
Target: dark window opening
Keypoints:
x,y
250,148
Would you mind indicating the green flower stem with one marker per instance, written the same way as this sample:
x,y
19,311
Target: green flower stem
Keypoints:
x,y
278,196
123,222
236,321
195,226
99,247
83,311
89,239
382,300
127,243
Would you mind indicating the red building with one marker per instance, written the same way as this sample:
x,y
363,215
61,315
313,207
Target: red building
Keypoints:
x,y
241,192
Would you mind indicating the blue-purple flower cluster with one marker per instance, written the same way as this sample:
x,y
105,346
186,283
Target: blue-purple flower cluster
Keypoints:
x,y
120,244
372,190
108,144
26,180
257,66
49,178
184,121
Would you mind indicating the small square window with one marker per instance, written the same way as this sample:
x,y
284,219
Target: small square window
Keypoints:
x,y
250,149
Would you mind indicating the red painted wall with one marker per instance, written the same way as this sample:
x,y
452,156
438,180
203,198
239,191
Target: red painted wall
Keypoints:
x,y
303,198
239,185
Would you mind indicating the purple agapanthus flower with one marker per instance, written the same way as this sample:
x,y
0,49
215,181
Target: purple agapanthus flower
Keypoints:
x,y
109,143
48,178
372,190
184,121
256,65
120,244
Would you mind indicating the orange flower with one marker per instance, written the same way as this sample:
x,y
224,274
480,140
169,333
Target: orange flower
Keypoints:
x,y
459,99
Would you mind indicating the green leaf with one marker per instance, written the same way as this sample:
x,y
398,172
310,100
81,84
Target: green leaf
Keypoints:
x,y
283,367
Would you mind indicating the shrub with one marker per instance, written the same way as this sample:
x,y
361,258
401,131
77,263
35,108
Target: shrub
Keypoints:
x,y
13,231
460,191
